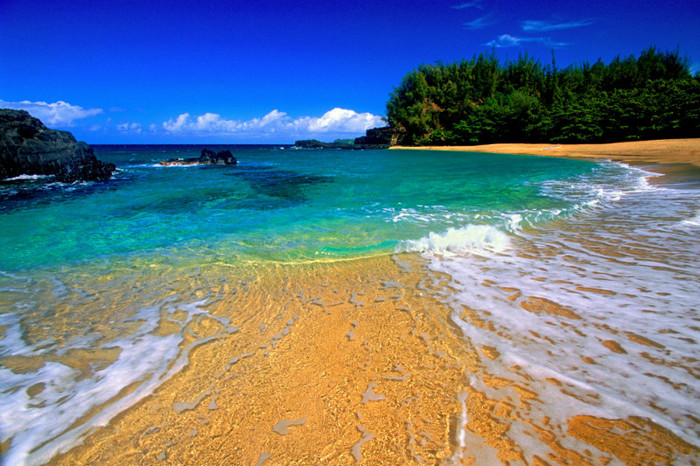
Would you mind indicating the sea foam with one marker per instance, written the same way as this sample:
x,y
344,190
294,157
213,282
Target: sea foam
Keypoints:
x,y
28,177
473,239
144,362
598,304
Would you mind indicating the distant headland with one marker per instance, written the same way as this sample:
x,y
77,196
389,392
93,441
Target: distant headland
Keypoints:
x,y
374,138
28,147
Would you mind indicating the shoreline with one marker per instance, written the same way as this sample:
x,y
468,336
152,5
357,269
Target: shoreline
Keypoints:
x,y
659,151
378,360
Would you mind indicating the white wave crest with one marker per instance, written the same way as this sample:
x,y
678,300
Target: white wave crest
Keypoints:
x,y
695,221
28,177
473,239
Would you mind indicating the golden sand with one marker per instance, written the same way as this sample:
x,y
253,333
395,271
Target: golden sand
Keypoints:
x,y
660,151
345,363
331,364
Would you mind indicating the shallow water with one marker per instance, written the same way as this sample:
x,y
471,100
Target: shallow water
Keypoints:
x,y
598,313
574,280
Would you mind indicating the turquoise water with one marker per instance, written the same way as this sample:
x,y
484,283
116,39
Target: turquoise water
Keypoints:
x,y
91,268
277,204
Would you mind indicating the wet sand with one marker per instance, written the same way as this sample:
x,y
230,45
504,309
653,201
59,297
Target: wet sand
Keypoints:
x,y
661,151
331,364
352,362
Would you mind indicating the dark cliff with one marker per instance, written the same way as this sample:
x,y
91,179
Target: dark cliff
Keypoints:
x,y
387,136
27,147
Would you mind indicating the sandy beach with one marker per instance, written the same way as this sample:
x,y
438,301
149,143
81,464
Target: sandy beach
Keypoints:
x,y
352,363
660,151
334,364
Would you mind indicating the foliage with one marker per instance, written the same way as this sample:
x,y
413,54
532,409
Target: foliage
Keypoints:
x,y
481,101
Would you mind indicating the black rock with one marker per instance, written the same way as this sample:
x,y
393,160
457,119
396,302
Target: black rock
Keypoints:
x,y
386,136
220,158
27,147
208,157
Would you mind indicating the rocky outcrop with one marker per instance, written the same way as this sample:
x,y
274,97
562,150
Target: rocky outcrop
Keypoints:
x,y
375,138
316,144
387,135
208,157
27,147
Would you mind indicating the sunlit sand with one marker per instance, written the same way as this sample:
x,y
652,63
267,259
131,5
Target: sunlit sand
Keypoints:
x,y
663,151
355,362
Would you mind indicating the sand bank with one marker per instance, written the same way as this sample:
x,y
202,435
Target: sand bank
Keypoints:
x,y
661,151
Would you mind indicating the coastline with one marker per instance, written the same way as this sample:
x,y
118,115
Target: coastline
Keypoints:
x,y
660,151
381,359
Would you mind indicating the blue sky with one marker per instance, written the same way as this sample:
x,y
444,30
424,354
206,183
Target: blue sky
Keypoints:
x,y
134,71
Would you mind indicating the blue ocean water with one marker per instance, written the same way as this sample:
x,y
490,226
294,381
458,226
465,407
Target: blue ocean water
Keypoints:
x,y
277,204
92,267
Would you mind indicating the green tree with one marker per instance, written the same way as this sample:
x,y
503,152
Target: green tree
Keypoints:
x,y
479,100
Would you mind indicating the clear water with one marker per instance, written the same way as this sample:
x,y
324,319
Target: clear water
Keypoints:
x,y
92,266
281,205
600,312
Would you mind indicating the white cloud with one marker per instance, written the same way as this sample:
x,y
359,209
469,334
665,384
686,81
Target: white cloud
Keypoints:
x,y
506,40
130,127
56,114
472,4
175,126
538,26
339,120
335,121
480,23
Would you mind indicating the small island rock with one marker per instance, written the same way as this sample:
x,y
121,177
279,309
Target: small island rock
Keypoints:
x,y
208,157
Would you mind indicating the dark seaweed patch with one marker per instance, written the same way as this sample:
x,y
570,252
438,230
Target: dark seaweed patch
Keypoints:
x,y
27,193
289,187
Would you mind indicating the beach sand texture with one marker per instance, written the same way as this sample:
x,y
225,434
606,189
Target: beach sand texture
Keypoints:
x,y
661,151
359,362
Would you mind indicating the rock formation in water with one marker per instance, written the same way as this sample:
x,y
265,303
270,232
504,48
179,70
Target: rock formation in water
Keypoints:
x,y
208,157
27,147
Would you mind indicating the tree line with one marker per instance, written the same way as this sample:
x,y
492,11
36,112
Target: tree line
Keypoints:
x,y
481,101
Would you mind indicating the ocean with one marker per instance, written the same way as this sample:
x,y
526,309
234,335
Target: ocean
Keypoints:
x,y
572,287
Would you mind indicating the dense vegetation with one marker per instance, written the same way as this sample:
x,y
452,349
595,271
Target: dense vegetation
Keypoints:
x,y
481,101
